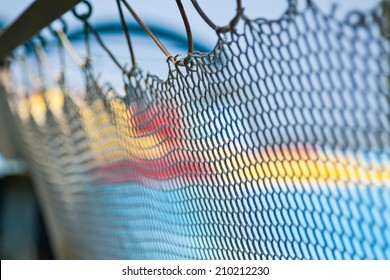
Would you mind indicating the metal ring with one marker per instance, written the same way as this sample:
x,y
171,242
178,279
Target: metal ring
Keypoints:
x,y
64,27
38,39
85,15
42,39
356,19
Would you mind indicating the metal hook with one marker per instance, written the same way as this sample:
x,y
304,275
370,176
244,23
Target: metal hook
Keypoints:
x,y
356,19
30,76
37,48
150,33
105,48
88,27
187,26
55,32
219,29
43,58
69,48
84,17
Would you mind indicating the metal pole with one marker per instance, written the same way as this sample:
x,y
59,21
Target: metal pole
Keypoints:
x,y
36,17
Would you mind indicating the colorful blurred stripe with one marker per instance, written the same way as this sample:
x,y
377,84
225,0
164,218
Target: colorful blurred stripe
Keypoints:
x,y
151,145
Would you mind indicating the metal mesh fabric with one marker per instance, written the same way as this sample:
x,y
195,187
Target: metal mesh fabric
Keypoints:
x,y
275,145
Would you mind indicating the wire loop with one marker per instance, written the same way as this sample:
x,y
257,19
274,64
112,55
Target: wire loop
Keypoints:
x,y
85,15
169,56
41,40
64,27
88,27
43,58
220,29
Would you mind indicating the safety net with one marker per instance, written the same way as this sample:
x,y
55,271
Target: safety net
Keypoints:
x,y
274,145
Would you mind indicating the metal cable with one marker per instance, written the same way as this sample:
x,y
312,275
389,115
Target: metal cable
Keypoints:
x,y
127,33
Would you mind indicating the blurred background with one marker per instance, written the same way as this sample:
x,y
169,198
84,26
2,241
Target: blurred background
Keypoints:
x,y
22,230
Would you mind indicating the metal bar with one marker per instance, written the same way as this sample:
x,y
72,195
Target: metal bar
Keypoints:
x,y
39,15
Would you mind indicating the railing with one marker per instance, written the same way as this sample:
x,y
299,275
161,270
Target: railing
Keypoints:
x,y
40,14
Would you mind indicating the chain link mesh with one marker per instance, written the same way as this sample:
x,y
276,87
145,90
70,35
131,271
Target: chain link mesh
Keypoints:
x,y
275,145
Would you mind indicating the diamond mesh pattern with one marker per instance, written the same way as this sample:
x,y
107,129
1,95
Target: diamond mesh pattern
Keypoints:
x,y
275,145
